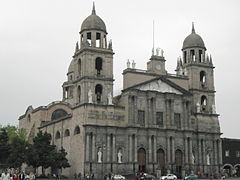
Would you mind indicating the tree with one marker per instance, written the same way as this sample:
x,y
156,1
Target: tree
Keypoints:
x,y
18,154
60,160
4,147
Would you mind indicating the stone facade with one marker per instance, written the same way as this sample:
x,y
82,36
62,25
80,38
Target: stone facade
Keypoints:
x,y
159,123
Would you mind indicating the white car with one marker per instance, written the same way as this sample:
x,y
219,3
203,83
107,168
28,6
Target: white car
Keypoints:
x,y
118,177
169,177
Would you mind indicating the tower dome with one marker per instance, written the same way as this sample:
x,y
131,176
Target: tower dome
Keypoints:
x,y
93,22
193,40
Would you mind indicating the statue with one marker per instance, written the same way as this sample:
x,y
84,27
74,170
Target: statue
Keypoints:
x,y
110,98
208,159
193,159
110,44
128,63
162,52
180,71
90,96
157,51
99,155
198,107
133,64
185,72
119,156
213,109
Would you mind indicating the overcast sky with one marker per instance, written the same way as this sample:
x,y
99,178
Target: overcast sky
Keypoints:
x,y
37,41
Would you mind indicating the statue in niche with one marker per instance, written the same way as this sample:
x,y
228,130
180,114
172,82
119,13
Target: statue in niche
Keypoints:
x,y
198,108
99,155
193,159
119,155
128,63
90,96
110,98
208,159
162,52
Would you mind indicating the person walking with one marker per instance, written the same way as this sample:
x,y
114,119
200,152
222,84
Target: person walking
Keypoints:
x,y
21,176
32,176
5,175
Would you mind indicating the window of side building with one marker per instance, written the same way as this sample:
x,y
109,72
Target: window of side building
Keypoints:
x,y
141,117
159,119
227,153
237,153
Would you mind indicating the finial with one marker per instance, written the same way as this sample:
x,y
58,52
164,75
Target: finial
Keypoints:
x,y
193,30
93,9
77,47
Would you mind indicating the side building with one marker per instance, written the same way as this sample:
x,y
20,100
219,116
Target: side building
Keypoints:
x,y
160,122
231,156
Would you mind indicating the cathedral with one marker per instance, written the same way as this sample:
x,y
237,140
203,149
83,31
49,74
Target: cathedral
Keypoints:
x,y
160,123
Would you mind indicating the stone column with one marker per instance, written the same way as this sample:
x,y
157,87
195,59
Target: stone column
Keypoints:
x,y
173,150
168,151
172,112
220,151
184,122
167,119
114,149
215,152
186,150
149,111
149,149
130,148
155,149
199,151
135,109
87,147
108,148
190,151
135,149
93,148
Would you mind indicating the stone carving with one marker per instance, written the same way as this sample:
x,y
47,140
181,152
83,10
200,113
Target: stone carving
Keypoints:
x,y
119,155
158,86
133,64
198,107
110,44
110,98
90,96
99,155
208,159
185,72
128,63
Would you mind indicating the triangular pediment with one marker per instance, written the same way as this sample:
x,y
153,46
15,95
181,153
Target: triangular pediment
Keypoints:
x,y
159,86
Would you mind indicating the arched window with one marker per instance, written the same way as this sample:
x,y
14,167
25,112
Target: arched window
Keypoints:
x,y
98,39
79,94
98,92
203,79
203,103
57,135
185,57
192,54
77,130
200,53
89,38
98,65
79,67
66,133
29,118
59,113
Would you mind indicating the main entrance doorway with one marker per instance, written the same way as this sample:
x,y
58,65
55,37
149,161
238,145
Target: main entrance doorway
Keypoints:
x,y
178,161
141,160
161,161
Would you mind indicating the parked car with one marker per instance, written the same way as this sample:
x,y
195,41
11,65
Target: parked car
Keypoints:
x,y
140,176
118,177
150,177
191,176
169,177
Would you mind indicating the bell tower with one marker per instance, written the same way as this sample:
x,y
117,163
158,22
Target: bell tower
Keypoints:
x,y
90,74
198,66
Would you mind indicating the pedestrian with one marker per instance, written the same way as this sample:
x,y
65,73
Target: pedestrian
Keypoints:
x,y
21,176
15,175
26,177
5,175
79,176
75,175
31,176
